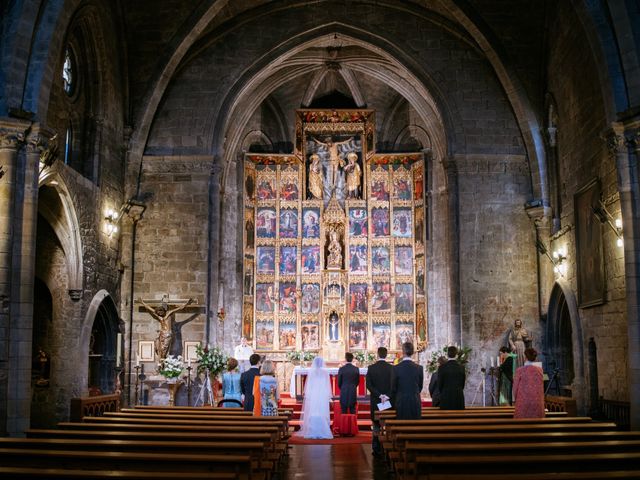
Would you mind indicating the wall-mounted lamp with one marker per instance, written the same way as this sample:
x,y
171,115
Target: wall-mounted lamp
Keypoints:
x,y
111,221
557,258
602,214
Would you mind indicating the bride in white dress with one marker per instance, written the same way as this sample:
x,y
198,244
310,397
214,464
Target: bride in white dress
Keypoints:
x,y
316,422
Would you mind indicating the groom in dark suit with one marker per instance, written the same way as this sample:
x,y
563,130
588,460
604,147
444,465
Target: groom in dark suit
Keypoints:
x,y
246,381
408,378
379,379
348,379
451,377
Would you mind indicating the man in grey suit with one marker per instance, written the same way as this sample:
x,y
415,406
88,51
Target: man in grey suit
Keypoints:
x,y
379,379
451,378
348,379
408,379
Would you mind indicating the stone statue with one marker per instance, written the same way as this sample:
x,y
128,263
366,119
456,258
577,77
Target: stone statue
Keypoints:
x,y
315,177
335,160
334,259
518,341
334,327
162,314
354,174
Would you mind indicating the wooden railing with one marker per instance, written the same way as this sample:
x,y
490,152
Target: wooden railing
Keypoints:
x,y
561,404
616,411
94,406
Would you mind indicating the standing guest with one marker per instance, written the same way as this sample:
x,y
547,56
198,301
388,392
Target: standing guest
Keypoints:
x,y
505,380
379,380
246,381
265,391
348,379
242,353
433,384
231,389
528,388
408,379
451,378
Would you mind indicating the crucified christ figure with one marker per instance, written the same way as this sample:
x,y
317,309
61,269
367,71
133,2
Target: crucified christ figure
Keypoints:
x,y
162,314
335,161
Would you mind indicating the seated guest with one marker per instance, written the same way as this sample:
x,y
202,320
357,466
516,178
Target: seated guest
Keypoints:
x,y
433,384
231,384
505,380
265,391
528,388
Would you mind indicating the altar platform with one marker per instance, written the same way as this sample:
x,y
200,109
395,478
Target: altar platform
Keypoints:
x,y
299,377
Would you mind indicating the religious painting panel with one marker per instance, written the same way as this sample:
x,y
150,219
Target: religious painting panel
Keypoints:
x,y
310,298
421,323
418,184
404,333
311,223
590,260
289,189
358,335
288,260
311,260
358,222
310,336
265,190
380,188
266,222
250,182
401,187
419,226
289,223
380,260
380,221
381,299
404,298
403,260
381,335
264,297
358,259
264,334
287,336
420,276
266,256
248,277
288,300
247,321
249,230
358,298
402,224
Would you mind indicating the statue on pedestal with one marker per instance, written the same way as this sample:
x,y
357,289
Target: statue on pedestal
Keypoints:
x,y
162,314
354,173
334,259
315,177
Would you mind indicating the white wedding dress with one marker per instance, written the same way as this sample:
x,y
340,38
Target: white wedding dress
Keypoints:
x,y
316,421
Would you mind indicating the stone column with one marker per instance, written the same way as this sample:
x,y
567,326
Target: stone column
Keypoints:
x,y
214,250
624,144
23,265
12,137
453,252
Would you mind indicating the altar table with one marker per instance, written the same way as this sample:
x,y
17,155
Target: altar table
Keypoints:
x,y
299,377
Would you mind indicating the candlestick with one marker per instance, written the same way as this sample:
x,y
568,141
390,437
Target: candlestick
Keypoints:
x,y
189,383
491,362
135,397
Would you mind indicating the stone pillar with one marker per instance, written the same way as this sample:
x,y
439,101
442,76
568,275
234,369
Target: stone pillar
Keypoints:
x,y
624,144
23,273
12,137
453,252
214,250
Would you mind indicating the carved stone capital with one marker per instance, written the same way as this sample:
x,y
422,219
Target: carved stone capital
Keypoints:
x,y
632,140
11,139
75,294
615,142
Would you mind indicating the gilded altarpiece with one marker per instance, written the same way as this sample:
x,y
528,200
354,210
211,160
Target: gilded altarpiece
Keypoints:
x,y
334,241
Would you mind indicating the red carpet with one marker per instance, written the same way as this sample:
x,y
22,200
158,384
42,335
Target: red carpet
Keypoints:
x,y
362,437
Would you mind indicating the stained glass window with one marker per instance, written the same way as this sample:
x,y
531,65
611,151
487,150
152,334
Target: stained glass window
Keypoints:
x,y
69,71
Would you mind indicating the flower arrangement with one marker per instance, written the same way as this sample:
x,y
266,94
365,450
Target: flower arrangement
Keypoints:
x,y
364,357
171,367
212,359
462,358
221,314
300,356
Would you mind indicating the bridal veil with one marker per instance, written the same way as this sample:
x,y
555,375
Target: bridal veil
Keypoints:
x,y
316,421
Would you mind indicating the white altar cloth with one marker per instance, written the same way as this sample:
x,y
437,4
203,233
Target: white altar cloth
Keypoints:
x,y
302,371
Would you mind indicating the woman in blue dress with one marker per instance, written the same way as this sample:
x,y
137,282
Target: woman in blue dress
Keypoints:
x,y
231,384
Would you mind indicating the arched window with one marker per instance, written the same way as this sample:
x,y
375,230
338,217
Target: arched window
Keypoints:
x,y
69,71
68,145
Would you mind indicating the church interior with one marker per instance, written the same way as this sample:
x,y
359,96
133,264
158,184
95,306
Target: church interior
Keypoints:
x,y
315,178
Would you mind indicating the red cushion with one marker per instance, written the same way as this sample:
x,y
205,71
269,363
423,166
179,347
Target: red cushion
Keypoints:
x,y
344,424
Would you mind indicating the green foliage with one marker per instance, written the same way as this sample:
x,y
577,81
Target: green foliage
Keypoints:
x,y
364,357
463,357
300,356
171,367
212,359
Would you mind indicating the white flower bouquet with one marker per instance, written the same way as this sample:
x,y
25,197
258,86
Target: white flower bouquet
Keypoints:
x,y
171,367
212,359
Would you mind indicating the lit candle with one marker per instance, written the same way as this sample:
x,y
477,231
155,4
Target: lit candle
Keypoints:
x,y
491,362
189,363
137,361
498,361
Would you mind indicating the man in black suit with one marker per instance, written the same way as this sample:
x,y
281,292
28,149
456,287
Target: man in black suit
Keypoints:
x,y
246,381
379,379
451,377
348,379
408,378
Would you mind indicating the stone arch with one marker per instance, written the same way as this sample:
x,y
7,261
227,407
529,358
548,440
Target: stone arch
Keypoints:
x,y
102,315
567,354
61,215
255,136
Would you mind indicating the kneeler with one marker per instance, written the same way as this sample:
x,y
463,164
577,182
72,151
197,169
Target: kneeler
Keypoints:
x,y
344,424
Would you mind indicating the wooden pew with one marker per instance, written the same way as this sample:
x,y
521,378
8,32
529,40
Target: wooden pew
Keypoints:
x,y
239,465
611,475
35,473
